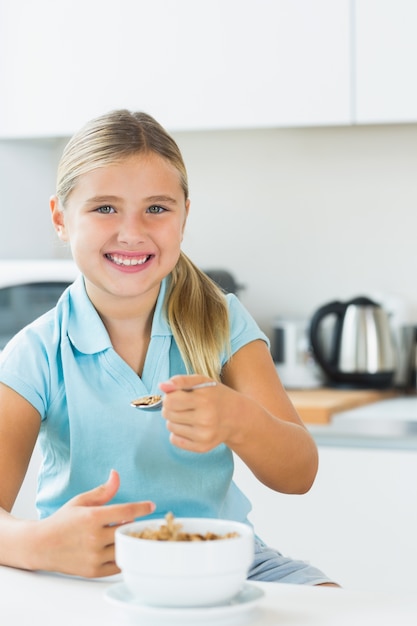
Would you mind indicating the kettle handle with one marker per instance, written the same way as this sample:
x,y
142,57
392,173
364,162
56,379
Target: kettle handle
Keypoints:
x,y
329,364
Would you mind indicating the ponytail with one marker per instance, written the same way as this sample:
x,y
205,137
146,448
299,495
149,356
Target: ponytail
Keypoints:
x,y
198,315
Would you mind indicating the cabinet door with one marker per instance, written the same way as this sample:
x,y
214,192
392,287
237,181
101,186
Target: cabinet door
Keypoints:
x,y
357,523
386,61
193,65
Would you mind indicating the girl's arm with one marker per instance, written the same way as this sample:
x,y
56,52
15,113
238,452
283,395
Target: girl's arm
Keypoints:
x,y
269,435
252,414
79,538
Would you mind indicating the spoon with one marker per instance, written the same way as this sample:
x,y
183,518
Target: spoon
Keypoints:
x,y
154,402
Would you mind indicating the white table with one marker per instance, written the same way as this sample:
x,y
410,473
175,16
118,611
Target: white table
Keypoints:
x,y
42,599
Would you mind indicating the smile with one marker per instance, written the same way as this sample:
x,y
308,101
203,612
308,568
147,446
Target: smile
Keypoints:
x,y
127,261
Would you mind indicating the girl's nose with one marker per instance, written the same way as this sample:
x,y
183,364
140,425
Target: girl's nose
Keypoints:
x,y
132,230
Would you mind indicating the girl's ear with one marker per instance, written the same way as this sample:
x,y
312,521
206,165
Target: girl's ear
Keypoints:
x,y
58,218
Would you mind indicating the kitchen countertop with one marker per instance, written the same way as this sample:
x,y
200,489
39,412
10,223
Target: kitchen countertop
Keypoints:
x,y
43,599
318,406
389,423
359,418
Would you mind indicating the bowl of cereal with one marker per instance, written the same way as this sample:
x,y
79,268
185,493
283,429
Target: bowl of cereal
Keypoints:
x,y
184,562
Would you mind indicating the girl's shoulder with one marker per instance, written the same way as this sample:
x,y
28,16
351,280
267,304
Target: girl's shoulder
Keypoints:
x,y
41,335
30,361
243,326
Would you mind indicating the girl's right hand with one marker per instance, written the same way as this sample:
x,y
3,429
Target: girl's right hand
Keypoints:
x,y
79,538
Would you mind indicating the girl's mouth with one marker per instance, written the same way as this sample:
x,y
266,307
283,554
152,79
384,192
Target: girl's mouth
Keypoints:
x,y
128,261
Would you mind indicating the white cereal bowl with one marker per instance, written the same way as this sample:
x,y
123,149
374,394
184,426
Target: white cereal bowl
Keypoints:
x,y
185,573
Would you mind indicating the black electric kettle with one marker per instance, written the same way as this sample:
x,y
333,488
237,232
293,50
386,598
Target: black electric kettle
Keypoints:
x,y
361,352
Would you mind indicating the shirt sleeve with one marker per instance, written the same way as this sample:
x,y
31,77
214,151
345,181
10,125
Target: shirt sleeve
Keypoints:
x,y
24,367
243,328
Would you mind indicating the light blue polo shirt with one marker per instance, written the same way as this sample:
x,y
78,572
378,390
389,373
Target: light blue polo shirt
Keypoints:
x,y
65,366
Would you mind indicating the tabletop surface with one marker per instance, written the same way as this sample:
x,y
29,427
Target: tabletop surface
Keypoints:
x,y
39,598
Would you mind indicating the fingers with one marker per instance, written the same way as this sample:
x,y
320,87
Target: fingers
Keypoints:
x,y
176,383
99,495
107,520
78,538
196,430
189,396
193,419
119,514
115,514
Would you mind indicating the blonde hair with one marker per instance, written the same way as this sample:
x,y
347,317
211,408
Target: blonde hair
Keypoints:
x,y
196,308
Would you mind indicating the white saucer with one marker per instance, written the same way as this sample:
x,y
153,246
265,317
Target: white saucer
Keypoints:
x,y
239,606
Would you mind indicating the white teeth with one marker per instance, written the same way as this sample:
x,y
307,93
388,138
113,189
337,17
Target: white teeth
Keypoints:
x,y
120,260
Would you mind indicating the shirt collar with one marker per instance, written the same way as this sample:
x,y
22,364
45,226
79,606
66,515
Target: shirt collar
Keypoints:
x,y
86,330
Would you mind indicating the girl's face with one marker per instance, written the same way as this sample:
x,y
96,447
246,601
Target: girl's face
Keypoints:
x,y
125,223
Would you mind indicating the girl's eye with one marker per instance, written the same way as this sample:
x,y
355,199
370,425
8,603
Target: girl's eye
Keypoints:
x,y
105,209
155,208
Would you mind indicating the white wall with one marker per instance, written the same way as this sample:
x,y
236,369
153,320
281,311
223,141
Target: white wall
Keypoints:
x,y
304,216
27,179
300,216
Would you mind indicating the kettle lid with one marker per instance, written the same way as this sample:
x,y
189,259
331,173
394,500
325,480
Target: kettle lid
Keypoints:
x,y
362,301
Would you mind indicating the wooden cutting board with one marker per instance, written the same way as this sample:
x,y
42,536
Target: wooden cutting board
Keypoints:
x,y
316,406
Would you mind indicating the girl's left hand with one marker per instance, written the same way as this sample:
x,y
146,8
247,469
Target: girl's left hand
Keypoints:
x,y
198,420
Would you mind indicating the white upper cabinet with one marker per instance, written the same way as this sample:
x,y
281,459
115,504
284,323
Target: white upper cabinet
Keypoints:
x,y
386,61
193,65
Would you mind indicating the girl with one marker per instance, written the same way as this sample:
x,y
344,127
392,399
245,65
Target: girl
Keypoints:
x,y
140,318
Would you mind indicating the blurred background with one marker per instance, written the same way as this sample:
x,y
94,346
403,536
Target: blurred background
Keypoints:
x,y
297,120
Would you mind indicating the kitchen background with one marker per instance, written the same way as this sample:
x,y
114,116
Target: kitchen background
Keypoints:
x,y
292,189
298,123
299,216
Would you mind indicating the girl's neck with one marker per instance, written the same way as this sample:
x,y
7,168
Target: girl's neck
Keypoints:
x,y
129,323
130,338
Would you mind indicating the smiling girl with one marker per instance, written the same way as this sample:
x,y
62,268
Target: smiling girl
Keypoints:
x,y
140,318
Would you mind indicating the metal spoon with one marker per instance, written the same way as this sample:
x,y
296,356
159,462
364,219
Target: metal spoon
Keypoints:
x,y
155,401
